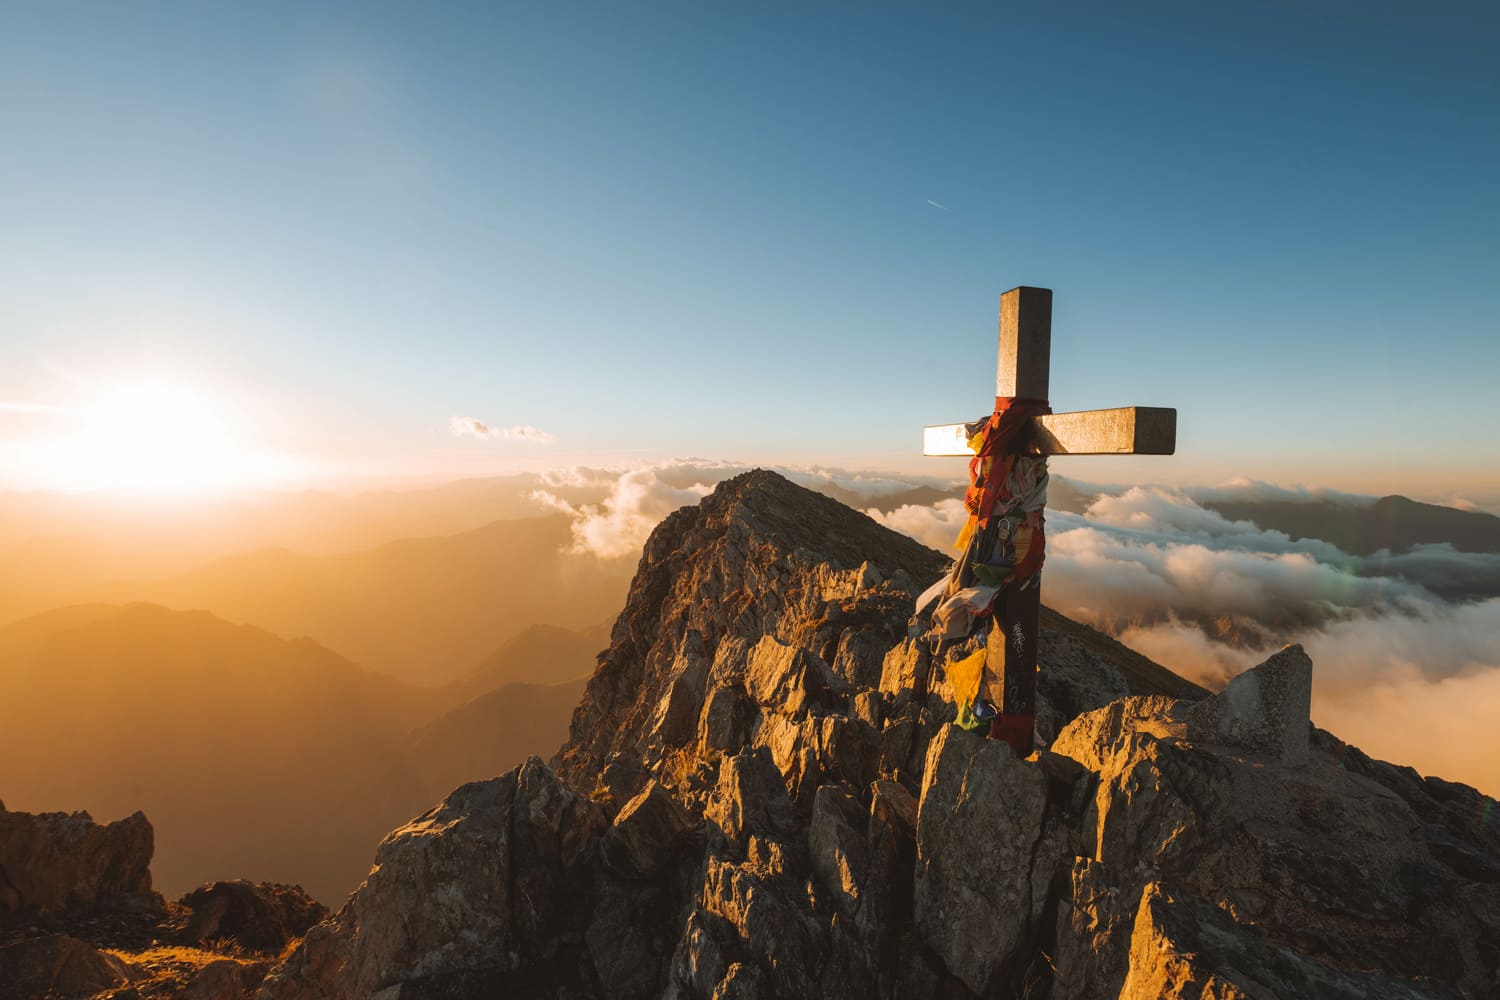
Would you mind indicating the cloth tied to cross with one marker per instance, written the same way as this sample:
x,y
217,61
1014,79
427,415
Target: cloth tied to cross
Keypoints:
x,y
1002,545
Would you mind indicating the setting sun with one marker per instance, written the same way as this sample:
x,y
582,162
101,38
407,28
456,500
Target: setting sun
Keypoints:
x,y
152,438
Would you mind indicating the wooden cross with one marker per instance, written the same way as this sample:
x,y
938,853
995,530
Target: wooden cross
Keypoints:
x,y
1025,349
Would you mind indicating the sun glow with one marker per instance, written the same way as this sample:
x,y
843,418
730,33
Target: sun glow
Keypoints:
x,y
153,438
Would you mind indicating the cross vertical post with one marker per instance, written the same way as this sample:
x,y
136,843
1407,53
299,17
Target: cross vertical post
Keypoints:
x,y
1011,648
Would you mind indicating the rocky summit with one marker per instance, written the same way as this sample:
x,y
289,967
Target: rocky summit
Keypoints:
x,y
763,796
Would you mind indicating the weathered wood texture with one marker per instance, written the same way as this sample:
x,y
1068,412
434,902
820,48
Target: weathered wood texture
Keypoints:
x,y
1125,430
1025,342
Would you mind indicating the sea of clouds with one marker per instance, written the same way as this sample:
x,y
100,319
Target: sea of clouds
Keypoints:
x,y
1399,670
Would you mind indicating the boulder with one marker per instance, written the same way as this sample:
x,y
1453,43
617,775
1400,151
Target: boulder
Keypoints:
x,y
1095,919
750,798
1322,860
1264,709
226,979
699,962
791,681
903,671
1184,948
978,821
649,832
622,776
725,722
257,916
836,846
675,720
859,657
58,966
478,884
769,921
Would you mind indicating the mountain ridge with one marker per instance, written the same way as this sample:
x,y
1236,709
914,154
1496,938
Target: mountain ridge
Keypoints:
x,y
763,796
1393,523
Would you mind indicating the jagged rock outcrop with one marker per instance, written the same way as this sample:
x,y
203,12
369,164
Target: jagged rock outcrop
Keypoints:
x,y
51,862
814,593
763,797
485,888
79,918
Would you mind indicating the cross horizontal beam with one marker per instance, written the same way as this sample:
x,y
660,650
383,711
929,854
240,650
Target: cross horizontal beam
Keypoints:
x,y
1124,430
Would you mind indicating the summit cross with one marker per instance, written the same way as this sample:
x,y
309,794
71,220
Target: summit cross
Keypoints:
x,y
1025,355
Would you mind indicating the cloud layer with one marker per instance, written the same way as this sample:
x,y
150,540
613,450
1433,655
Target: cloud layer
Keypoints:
x,y
474,427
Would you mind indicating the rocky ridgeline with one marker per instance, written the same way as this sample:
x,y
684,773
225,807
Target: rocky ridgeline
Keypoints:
x,y
763,797
78,918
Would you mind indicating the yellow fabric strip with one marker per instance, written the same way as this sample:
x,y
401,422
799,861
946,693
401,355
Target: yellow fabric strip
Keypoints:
x,y
964,677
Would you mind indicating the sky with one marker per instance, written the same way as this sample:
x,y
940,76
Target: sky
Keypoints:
x,y
305,238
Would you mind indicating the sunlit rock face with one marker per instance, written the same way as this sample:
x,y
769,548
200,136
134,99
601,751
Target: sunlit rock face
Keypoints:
x,y
763,796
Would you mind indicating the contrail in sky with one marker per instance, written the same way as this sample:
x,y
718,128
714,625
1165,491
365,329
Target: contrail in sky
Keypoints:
x,y
935,204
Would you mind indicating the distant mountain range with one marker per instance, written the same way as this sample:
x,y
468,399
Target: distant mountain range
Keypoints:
x,y
271,758
423,610
1393,523
543,654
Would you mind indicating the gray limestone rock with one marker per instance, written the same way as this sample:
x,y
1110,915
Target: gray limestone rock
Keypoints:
x,y
978,820
1265,709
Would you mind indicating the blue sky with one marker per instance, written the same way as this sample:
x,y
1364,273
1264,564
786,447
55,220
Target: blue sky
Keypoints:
x,y
709,229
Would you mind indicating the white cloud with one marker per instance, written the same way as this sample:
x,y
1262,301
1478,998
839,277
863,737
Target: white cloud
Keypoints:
x,y
619,525
935,526
473,427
